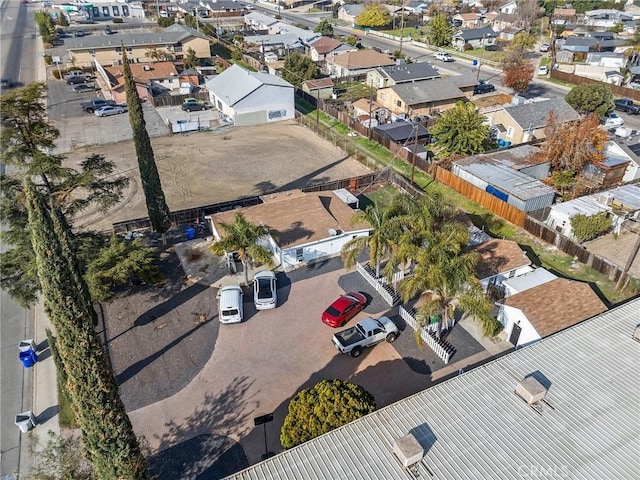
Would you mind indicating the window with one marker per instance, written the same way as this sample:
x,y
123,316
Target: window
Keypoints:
x,y
125,11
383,96
129,49
510,132
116,11
299,254
398,103
92,51
105,11
119,50
96,12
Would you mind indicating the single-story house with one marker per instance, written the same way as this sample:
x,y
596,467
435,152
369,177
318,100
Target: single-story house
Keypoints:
x,y
109,9
502,21
319,87
286,41
220,7
524,122
626,149
382,77
324,47
499,261
546,309
357,63
251,98
606,59
605,18
305,227
566,14
509,7
468,20
262,23
532,279
349,12
476,37
151,79
172,43
404,132
622,204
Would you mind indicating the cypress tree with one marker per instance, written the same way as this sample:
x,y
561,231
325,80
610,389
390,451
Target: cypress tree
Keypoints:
x,y
156,204
109,440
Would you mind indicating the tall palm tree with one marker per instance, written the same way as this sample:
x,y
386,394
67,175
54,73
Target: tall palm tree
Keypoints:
x,y
243,236
444,275
384,219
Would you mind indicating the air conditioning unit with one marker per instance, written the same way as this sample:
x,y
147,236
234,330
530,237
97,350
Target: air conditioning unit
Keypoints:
x,y
636,334
531,390
408,450
605,198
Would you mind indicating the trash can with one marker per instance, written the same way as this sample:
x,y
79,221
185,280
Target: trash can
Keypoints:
x,y
25,345
191,233
28,358
25,421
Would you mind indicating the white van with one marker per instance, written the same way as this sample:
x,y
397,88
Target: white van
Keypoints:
x,y
230,304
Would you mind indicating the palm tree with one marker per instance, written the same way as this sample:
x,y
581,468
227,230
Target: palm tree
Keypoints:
x,y
243,236
384,219
444,275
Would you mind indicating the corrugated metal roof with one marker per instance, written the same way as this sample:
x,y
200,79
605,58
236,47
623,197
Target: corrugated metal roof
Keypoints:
x,y
510,181
475,427
627,195
236,83
170,35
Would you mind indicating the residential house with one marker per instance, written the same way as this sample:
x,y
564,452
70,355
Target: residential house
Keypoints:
x,y
521,123
319,87
499,261
307,37
369,112
262,23
426,97
223,8
509,7
468,20
607,59
626,149
620,203
509,33
190,7
581,421
151,79
404,132
351,64
567,15
605,18
190,76
324,47
546,309
383,77
251,98
277,41
305,227
171,43
477,38
349,12
529,280
503,21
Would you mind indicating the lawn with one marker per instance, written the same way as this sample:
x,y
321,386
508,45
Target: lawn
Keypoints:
x,y
415,33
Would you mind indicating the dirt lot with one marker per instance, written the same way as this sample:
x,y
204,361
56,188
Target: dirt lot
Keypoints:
x,y
205,168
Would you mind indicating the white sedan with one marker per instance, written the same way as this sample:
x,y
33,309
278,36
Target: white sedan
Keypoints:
x,y
612,120
108,110
544,70
264,290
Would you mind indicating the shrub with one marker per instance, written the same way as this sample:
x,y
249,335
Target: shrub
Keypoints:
x,y
588,227
118,20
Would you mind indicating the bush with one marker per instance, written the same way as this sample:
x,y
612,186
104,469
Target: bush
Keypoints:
x,y
118,20
588,227
165,21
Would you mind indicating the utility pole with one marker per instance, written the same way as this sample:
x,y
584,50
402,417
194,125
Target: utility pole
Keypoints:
x,y
317,109
632,257
415,149
401,26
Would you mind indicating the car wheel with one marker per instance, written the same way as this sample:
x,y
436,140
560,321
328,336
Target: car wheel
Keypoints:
x,y
90,110
356,352
391,337
187,110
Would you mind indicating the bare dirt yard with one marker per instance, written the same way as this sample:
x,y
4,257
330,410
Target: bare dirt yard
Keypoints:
x,y
205,168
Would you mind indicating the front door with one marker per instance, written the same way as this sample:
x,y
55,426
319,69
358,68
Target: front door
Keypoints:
x,y
515,334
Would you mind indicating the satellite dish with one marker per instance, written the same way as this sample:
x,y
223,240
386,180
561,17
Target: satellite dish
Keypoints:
x,y
333,232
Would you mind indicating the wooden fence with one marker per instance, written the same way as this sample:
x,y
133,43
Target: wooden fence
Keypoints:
x,y
578,80
494,204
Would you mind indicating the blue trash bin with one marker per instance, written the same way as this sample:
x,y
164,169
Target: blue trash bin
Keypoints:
x,y
28,358
191,233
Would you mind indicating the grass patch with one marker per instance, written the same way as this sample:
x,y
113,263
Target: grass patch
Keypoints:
x,y
414,33
244,65
354,91
382,195
483,54
66,418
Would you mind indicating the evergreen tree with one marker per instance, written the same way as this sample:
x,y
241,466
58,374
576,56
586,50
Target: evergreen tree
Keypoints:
x,y
156,204
324,28
461,130
439,31
109,440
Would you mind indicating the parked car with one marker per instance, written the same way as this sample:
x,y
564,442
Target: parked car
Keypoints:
x,y
6,83
84,87
627,105
612,120
193,105
545,47
109,110
344,309
93,105
544,70
483,88
56,42
444,57
366,333
77,79
79,33
108,31
230,304
264,290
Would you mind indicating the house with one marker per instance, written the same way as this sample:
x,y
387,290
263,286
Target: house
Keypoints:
x,y
223,7
524,122
324,47
468,20
607,59
500,260
349,12
319,87
107,10
509,7
511,186
567,15
426,97
261,23
172,43
371,110
509,33
476,37
357,63
628,150
251,98
151,79
605,18
190,7
585,374
382,77
306,36
503,21
546,309
275,41
529,280
404,132
606,173
621,204
305,227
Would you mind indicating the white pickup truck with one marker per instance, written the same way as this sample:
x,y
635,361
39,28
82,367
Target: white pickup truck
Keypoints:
x,y
366,333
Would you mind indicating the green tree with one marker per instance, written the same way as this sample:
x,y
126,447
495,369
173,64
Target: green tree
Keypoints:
x,y
563,180
444,276
588,227
439,31
460,130
324,27
152,187
591,98
298,68
45,25
243,237
165,22
374,15
62,20
522,41
108,437
191,60
59,459
326,406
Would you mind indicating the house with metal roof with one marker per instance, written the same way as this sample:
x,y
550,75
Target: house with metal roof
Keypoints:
x,y
382,77
526,121
476,37
261,22
522,158
605,18
251,98
172,43
565,405
620,203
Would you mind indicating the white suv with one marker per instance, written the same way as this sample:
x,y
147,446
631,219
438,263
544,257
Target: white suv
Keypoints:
x,y
230,304
444,56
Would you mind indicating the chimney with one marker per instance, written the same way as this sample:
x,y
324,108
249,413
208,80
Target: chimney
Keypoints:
x,y
408,450
531,390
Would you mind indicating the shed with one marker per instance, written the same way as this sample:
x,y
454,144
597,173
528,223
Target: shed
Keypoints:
x,y
516,188
347,197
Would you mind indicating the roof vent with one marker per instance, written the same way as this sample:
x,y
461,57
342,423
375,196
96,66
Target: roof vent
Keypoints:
x,y
147,68
636,334
333,232
531,390
408,450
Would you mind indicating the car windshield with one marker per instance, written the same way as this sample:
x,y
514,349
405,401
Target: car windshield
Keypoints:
x,y
331,311
230,312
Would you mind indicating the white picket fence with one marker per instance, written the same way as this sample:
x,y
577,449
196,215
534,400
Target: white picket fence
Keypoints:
x,y
442,349
387,292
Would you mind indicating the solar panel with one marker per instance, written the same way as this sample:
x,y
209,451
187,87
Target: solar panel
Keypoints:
x,y
635,149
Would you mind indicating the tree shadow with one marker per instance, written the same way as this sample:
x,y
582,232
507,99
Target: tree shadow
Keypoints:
x,y
265,187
